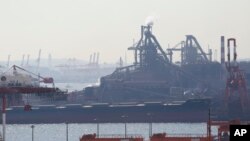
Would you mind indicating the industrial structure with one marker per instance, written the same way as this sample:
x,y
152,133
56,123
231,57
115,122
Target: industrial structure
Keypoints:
x,y
154,85
15,84
237,101
154,77
223,134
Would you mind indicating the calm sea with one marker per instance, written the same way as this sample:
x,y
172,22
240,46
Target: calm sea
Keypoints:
x,y
57,132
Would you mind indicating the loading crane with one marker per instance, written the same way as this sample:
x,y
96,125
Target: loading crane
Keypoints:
x,y
235,83
46,80
9,88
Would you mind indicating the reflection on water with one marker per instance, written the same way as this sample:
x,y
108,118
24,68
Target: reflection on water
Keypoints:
x,y
57,132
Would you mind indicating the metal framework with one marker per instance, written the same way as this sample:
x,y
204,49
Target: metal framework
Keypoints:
x,y
11,90
235,81
191,52
148,50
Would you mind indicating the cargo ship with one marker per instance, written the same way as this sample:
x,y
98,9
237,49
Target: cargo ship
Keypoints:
x,y
194,111
153,89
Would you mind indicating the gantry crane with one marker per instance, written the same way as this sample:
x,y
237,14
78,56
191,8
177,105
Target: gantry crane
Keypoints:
x,y
235,83
12,89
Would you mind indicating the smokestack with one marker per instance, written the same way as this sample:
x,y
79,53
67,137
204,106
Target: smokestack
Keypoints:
x,y
97,58
222,50
8,62
93,61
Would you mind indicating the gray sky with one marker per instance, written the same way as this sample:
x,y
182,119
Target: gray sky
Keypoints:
x,y
77,28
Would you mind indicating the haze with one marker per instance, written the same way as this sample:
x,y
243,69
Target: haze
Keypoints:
x,y
77,28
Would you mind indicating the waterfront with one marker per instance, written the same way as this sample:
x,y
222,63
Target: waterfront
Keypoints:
x,y
57,132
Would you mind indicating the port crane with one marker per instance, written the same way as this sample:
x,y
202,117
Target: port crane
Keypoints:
x,y
235,83
17,89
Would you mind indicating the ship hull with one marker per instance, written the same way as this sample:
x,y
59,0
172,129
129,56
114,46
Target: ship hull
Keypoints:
x,y
188,112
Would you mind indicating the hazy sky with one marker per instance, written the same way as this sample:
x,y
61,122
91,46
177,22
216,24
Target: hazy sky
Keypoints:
x,y
77,28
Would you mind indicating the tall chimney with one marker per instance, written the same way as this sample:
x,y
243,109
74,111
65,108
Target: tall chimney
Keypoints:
x,y
8,62
222,50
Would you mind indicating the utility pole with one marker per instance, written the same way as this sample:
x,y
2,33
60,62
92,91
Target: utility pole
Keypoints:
x,y
32,128
97,127
150,124
67,131
125,125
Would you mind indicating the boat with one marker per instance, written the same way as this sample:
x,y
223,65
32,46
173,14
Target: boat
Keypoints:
x,y
152,89
17,83
194,111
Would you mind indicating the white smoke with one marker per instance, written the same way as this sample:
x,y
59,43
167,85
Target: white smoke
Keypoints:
x,y
149,21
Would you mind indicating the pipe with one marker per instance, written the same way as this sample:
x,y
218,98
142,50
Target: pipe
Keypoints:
x,y
222,50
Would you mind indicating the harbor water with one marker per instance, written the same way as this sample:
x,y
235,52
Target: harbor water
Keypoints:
x,y
58,132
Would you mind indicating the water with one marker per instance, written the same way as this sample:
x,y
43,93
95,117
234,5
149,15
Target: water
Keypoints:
x,y
73,86
57,132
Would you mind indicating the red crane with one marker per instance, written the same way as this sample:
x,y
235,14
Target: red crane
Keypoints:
x,y
236,89
23,89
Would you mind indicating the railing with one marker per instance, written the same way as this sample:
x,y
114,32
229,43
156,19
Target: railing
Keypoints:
x,y
117,136
186,135
120,136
